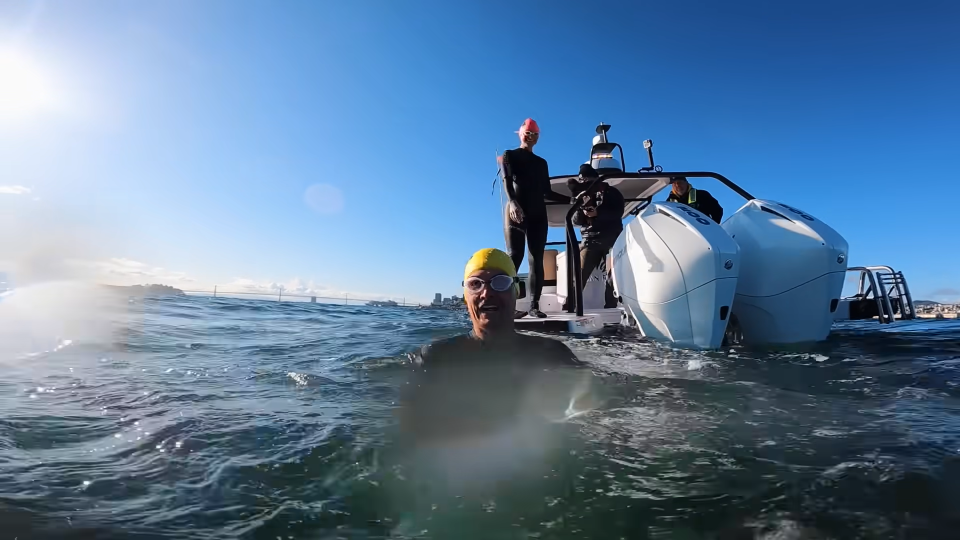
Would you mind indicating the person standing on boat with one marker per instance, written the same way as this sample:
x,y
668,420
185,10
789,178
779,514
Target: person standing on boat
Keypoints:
x,y
698,199
601,222
526,178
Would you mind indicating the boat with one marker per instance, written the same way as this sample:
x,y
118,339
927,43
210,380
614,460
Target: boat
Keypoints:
x,y
770,273
382,303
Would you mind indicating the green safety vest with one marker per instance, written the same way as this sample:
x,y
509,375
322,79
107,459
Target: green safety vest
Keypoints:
x,y
691,196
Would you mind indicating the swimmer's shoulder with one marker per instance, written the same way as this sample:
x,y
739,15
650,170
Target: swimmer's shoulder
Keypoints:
x,y
462,347
552,351
442,349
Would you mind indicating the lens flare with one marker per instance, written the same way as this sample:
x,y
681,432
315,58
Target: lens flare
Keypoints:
x,y
25,89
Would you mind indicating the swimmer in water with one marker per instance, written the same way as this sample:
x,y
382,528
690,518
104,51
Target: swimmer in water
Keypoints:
x,y
476,382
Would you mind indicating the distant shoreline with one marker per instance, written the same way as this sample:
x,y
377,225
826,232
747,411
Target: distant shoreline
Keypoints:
x,y
933,315
146,290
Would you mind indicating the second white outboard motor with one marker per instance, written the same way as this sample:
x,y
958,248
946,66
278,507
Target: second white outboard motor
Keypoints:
x,y
791,274
675,271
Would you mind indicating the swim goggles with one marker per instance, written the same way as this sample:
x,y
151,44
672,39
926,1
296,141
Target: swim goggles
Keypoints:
x,y
500,283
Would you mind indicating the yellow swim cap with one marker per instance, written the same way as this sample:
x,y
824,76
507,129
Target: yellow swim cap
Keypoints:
x,y
490,259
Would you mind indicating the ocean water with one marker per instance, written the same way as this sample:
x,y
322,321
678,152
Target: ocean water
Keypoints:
x,y
222,418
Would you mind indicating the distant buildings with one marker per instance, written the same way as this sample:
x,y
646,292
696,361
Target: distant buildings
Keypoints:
x,y
932,308
440,301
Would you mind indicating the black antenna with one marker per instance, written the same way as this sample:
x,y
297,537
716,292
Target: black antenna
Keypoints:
x,y
602,131
648,144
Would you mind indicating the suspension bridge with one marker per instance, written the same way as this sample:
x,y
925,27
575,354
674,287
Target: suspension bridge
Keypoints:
x,y
280,295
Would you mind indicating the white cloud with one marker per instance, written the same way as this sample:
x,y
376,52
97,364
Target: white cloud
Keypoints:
x,y
297,286
123,271
324,198
14,190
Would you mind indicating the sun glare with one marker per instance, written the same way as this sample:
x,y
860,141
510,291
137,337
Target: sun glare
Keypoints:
x,y
25,89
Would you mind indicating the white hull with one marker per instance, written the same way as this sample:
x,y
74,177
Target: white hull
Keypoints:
x,y
591,323
595,319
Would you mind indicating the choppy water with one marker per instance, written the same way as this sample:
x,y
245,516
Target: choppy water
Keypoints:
x,y
223,418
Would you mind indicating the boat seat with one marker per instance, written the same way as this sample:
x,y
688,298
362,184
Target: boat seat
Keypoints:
x,y
550,267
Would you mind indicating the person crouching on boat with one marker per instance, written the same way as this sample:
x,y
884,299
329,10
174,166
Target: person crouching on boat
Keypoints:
x,y
601,221
526,178
698,199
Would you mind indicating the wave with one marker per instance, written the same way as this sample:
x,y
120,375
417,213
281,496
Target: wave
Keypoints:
x,y
217,418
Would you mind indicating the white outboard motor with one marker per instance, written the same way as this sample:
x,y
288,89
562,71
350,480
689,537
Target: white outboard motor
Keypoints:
x,y
791,273
675,271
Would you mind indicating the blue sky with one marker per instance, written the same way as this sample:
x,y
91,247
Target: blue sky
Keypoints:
x,y
176,140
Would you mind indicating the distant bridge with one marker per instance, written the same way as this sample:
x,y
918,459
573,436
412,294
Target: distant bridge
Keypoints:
x,y
312,298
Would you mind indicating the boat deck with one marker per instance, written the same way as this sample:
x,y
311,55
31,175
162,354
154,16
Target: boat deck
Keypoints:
x,y
593,321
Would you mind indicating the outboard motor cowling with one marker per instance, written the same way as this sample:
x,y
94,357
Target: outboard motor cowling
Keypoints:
x,y
675,271
792,271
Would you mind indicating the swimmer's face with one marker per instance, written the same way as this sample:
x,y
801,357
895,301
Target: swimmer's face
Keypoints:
x,y
490,309
529,138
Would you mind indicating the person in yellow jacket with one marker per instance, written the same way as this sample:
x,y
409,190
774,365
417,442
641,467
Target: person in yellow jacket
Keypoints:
x,y
698,199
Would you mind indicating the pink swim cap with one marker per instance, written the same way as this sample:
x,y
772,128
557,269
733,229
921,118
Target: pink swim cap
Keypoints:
x,y
529,125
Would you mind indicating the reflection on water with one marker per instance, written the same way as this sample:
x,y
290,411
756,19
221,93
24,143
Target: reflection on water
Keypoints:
x,y
222,418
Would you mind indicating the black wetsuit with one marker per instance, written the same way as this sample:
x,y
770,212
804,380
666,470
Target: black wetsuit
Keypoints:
x,y
599,234
466,386
702,201
527,179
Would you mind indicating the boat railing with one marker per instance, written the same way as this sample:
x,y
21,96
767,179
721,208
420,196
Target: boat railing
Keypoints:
x,y
573,259
887,287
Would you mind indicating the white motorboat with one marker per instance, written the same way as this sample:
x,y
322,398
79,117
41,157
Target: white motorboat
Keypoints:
x,y
771,273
